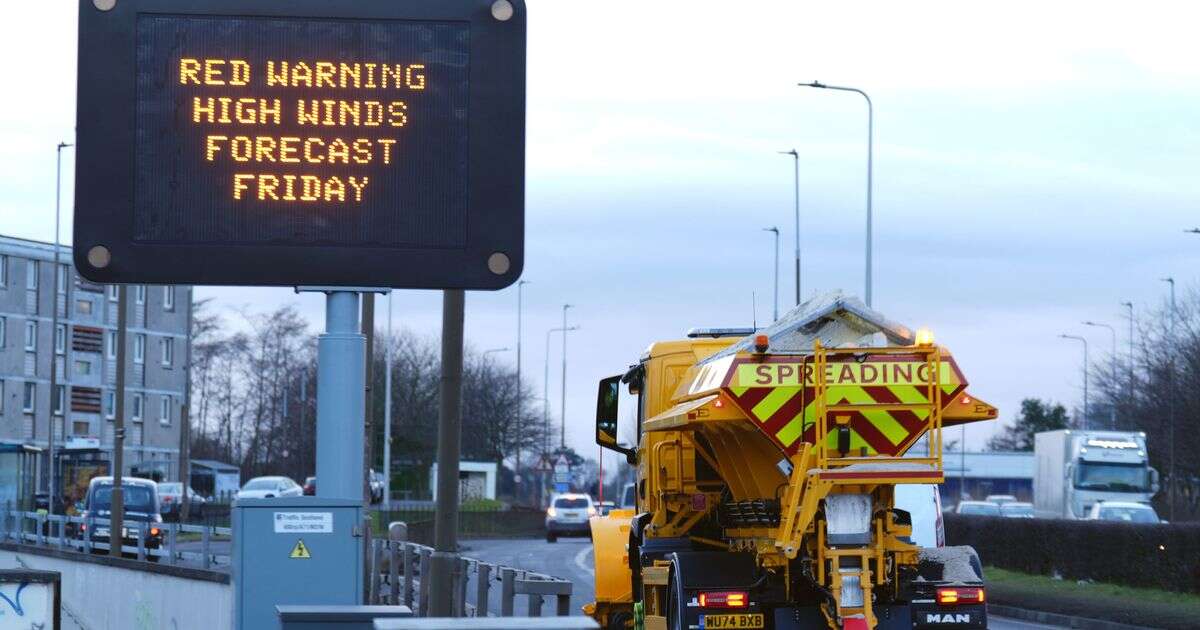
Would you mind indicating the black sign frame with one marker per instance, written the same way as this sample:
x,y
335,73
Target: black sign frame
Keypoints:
x,y
104,246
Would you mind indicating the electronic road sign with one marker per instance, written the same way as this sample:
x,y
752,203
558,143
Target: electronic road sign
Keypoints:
x,y
301,142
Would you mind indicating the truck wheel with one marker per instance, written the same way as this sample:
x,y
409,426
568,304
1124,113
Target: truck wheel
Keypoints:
x,y
619,621
551,537
675,610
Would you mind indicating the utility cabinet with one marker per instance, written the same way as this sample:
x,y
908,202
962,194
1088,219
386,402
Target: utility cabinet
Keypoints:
x,y
294,550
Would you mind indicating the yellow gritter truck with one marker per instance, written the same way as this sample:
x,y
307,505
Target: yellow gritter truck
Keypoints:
x,y
767,463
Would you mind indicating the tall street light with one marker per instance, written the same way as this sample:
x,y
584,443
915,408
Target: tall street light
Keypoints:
x,y
870,160
1112,412
54,326
1129,305
563,402
546,386
487,352
774,230
1171,405
519,429
796,186
1085,376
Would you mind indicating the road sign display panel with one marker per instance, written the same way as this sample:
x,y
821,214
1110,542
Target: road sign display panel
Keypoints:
x,y
301,142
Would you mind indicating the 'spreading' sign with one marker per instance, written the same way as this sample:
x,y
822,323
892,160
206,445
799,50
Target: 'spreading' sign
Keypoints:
x,y
302,142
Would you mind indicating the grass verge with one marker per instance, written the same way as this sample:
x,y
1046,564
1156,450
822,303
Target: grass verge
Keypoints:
x,y
1109,602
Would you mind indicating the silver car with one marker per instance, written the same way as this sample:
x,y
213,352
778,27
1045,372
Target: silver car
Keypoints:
x,y
568,515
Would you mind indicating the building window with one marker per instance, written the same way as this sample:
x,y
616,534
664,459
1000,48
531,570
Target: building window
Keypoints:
x,y
139,294
113,292
83,368
164,410
3,331
110,345
29,400
168,298
3,271
63,275
31,274
60,399
139,348
83,307
168,351
80,428
110,404
31,335
60,339
138,400
2,387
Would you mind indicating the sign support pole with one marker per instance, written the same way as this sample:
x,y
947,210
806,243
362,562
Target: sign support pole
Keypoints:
x,y
445,530
341,351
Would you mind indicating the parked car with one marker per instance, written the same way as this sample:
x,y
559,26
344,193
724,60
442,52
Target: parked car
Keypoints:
x,y
140,498
568,515
170,500
984,508
1125,511
1000,499
267,487
605,507
1016,509
378,487
310,486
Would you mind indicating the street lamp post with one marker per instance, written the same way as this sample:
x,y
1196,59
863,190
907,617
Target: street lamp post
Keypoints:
x,y
1085,376
1112,412
563,401
1129,305
387,409
517,481
774,230
796,186
546,387
54,328
1171,405
870,165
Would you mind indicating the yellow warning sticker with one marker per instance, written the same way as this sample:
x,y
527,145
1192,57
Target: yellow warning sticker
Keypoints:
x,y
300,550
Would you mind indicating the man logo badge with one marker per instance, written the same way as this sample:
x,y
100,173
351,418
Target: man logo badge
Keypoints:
x,y
948,618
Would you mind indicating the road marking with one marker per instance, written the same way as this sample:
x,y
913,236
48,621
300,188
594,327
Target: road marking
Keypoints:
x,y
581,561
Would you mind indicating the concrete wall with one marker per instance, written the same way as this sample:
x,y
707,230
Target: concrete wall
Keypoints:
x,y
99,595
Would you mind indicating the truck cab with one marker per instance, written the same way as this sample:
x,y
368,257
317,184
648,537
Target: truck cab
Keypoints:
x,y
1078,469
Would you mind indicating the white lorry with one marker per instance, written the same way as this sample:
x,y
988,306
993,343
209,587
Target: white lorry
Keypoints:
x,y
1076,469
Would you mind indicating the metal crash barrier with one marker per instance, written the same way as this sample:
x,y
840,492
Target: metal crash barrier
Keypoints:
x,y
397,568
491,623
172,544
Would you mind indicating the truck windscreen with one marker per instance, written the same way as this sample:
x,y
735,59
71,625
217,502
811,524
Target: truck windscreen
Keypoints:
x,y
1112,477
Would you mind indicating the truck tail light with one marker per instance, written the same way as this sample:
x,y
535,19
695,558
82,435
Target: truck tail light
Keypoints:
x,y
960,595
723,599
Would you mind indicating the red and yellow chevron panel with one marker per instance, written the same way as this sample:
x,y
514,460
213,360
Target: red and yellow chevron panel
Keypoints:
x,y
777,393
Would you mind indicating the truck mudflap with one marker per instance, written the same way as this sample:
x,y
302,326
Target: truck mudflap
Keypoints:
x,y
917,615
932,615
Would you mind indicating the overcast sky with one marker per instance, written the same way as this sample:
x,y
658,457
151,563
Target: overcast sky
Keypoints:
x,y
1035,165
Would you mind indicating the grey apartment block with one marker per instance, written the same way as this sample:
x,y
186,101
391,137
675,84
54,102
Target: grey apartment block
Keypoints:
x,y
85,349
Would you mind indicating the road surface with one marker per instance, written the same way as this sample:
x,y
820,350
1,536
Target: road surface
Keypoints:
x,y
571,558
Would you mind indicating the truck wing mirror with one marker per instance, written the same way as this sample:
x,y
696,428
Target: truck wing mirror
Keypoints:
x,y
1154,483
606,417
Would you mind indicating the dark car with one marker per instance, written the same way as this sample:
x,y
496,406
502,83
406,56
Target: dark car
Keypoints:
x,y
140,497
310,486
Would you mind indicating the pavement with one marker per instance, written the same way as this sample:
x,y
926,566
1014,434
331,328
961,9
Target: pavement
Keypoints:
x,y
571,558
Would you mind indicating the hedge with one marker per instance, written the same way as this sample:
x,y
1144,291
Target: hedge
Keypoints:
x,y
1158,556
